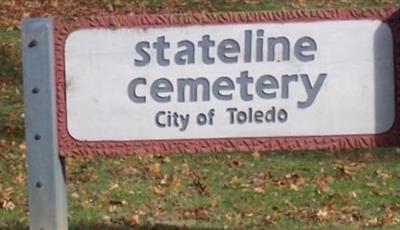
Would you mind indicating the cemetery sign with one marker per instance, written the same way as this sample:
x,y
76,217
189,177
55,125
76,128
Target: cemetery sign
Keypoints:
x,y
221,82
225,82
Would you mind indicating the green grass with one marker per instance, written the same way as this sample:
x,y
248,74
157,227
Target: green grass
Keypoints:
x,y
230,181
220,5
280,190
107,192
289,5
227,5
10,85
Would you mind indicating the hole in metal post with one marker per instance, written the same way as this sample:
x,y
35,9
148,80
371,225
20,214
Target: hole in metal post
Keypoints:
x,y
39,184
32,44
35,90
37,137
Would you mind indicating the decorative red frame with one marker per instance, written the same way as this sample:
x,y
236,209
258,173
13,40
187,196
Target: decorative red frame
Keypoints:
x,y
68,146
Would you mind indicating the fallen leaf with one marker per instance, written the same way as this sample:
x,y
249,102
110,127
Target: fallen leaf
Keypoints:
x,y
175,182
353,194
185,169
294,187
269,220
166,159
113,187
165,180
322,215
153,169
201,214
384,176
158,213
256,155
233,182
106,218
112,208
74,195
134,220
200,185
372,222
323,182
8,204
258,190
158,190
390,219
22,146
368,157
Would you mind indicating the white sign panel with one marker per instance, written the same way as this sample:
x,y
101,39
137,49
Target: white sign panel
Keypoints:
x,y
233,80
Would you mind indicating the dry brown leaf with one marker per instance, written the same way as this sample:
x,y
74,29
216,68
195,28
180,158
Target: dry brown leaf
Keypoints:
x,y
256,155
112,208
75,195
384,176
175,182
158,213
294,187
201,214
22,146
234,163
368,157
322,215
269,220
165,180
353,194
113,187
8,204
166,159
390,219
134,219
233,182
158,190
258,190
373,222
200,185
323,182
185,169
153,169
20,179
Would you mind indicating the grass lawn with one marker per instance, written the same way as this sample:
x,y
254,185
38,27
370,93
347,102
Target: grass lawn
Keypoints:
x,y
282,190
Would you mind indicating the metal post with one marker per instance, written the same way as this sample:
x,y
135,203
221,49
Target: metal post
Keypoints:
x,y
46,183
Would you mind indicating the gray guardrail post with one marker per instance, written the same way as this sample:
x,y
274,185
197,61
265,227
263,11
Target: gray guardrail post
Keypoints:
x,y
46,182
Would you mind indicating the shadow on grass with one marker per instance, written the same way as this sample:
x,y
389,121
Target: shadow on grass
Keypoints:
x,y
11,122
10,61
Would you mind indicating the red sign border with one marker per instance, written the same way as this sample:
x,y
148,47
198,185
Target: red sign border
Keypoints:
x,y
68,146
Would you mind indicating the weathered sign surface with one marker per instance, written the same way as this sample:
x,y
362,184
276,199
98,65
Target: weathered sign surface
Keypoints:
x,y
227,82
